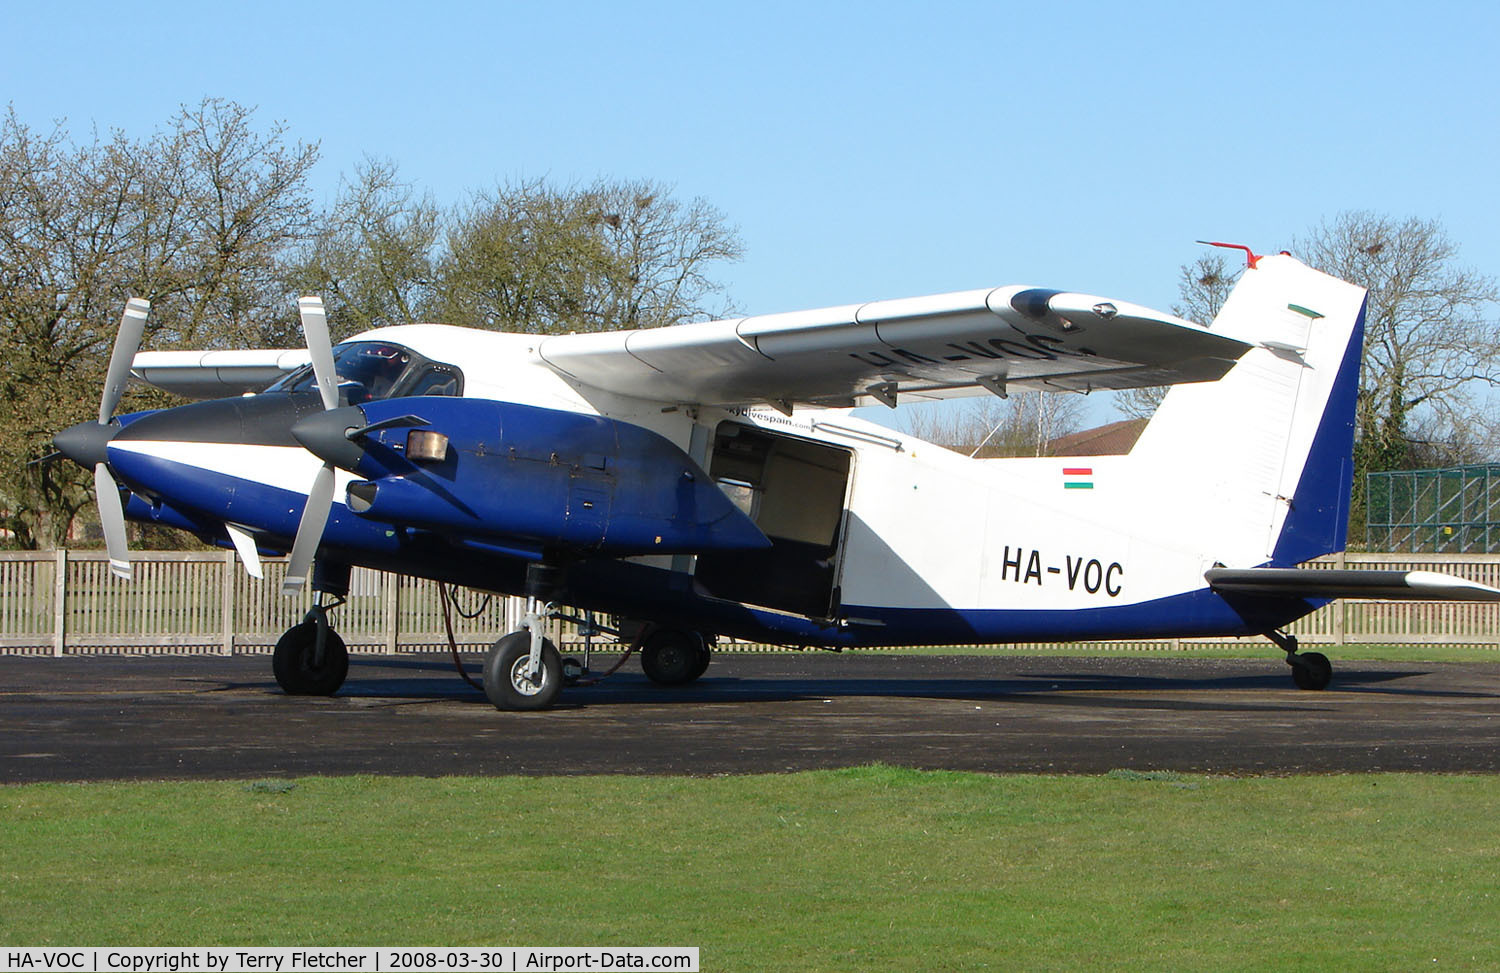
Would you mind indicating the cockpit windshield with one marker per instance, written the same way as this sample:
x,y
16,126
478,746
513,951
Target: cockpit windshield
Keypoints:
x,y
369,370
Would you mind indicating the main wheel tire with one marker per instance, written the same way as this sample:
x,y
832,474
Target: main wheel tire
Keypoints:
x,y
1315,672
505,679
294,661
705,656
673,656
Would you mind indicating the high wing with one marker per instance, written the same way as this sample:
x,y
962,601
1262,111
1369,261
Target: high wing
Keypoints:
x,y
1000,339
211,374
1337,583
925,347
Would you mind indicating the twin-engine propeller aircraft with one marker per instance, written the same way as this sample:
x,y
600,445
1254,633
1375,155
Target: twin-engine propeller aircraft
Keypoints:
x,y
708,479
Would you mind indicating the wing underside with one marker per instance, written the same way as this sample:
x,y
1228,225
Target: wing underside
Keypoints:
x,y
1002,339
212,374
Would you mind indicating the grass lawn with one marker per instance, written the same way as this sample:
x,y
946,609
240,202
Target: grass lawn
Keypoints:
x,y
867,869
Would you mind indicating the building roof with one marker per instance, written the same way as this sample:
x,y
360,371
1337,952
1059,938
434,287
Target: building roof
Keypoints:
x,y
1115,439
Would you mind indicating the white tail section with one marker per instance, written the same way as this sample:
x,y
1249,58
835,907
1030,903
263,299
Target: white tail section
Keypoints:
x,y
1255,467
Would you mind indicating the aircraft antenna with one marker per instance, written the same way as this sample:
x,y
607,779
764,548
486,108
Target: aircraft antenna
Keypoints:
x,y
1251,257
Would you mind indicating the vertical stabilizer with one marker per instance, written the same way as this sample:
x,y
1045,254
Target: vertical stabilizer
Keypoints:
x,y
1257,467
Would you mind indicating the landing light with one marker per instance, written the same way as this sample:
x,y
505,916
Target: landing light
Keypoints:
x,y
426,446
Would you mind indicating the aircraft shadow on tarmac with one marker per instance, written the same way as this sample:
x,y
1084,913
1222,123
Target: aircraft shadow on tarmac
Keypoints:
x,y
427,680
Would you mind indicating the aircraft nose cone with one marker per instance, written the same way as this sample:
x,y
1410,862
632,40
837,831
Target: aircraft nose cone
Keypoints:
x,y
323,435
86,443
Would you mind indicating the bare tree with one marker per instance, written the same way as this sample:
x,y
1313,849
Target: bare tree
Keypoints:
x,y
525,257
222,209
193,218
372,255
1025,424
1202,288
663,250
533,257
1204,285
1432,443
1430,340
211,220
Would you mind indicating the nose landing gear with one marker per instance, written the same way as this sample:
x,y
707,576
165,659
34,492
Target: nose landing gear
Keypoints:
x,y
310,659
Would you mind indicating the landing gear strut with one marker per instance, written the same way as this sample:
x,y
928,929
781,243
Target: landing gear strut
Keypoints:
x,y
310,659
1310,670
523,671
513,681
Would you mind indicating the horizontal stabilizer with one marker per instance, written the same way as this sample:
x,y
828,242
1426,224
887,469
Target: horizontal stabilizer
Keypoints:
x,y
1316,583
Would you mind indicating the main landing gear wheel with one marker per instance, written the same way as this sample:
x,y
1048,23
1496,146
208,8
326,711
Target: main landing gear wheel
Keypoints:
x,y
507,681
1311,670
674,657
297,667
705,656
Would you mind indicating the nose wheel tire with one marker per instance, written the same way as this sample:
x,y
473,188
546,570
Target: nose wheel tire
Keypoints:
x,y
507,680
297,668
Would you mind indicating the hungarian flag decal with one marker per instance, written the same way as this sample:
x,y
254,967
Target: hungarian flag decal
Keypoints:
x,y
1078,478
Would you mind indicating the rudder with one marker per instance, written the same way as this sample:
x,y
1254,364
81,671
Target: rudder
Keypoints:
x,y
1258,464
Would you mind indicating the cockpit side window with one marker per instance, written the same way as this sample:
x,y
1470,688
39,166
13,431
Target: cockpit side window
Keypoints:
x,y
370,370
435,380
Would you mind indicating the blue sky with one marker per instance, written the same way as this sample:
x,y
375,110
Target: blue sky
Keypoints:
x,y
864,150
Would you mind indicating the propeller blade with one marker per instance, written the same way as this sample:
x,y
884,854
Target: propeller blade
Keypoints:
x,y
309,531
244,546
320,498
127,343
320,348
112,519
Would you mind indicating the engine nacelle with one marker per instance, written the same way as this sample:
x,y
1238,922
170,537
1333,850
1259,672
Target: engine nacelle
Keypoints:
x,y
544,477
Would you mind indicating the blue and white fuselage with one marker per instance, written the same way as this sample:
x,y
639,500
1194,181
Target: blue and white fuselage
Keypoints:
x,y
712,476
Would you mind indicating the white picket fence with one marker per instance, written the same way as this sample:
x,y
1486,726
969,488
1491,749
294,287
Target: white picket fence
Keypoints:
x,y
66,602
